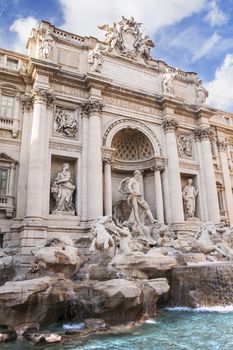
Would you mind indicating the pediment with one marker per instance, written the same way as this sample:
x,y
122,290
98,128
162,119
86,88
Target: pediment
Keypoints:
x,y
7,159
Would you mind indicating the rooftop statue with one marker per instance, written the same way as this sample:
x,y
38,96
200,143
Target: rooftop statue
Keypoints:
x,y
127,38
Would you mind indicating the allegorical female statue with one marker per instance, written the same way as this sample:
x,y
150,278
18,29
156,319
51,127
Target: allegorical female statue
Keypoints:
x,y
189,199
62,190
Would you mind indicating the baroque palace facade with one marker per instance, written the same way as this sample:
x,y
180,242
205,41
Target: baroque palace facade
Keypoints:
x,y
79,115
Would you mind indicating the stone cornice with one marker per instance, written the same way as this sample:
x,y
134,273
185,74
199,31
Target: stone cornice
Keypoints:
x,y
170,124
92,106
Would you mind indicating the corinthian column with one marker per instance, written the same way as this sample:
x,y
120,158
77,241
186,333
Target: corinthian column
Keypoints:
x,y
222,145
203,135
36,186
93,109
170,125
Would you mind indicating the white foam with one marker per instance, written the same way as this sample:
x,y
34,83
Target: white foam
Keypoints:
x,y
217,308
150,321
73,326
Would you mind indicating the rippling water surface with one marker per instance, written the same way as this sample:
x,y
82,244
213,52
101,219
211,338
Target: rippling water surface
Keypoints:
x,y
173,329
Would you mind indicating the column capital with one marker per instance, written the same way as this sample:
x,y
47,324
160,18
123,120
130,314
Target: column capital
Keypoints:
x,y
158,167
170,124
41,95
92,106
202,133
107,160
222,145
27,103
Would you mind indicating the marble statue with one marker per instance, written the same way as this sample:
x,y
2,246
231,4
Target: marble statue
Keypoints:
x,y
127,39
111,35
62,189
46,44
66,123
109,238
101,238
189,194
145,44
131,188
167,82
202,93
95,58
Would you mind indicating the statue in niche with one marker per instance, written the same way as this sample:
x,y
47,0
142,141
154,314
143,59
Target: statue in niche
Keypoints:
x,y
137,204
66,123
167,82
189,194
46,44
95,58
185,145
202,93
62,189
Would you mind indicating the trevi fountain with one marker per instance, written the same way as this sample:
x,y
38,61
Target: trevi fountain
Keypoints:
x,y
117,211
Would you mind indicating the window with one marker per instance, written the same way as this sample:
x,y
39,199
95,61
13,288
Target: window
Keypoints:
x,y
3,181
7,106
12,64
227,121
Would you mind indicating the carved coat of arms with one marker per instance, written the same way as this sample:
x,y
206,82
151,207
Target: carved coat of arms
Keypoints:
x,y
127,39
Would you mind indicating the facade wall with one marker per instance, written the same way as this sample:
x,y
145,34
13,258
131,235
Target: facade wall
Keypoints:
x,y
188,140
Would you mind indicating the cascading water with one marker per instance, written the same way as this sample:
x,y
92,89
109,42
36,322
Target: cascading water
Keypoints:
x,y
200,285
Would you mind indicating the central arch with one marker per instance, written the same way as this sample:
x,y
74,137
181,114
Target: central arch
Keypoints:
x,y
131,145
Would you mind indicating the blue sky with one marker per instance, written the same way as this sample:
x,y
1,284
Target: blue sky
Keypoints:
x,y
194,35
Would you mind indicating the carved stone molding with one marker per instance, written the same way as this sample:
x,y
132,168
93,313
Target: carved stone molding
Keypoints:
x,y
27,103
170,124
222,145
40,95
158,167
202,133
92,106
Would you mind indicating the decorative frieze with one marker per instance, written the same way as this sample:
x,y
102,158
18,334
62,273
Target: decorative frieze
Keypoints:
x,y
65,122
65,147
92,106
170,124
185,146
202,133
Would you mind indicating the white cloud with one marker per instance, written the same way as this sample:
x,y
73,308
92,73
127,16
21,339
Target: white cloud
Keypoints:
x,y
207,46
221,87
215,16
22,27
83,16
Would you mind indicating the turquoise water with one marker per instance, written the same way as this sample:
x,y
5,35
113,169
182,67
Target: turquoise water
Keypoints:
x,y
171,330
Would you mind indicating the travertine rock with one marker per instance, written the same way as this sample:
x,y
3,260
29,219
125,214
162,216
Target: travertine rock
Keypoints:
x,y
56,255
139,265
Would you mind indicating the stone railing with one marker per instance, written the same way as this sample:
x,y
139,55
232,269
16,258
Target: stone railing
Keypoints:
x,y
60,34
6,204
10,124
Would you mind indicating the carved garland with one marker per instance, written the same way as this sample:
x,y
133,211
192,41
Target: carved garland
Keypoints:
x,y
222,145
